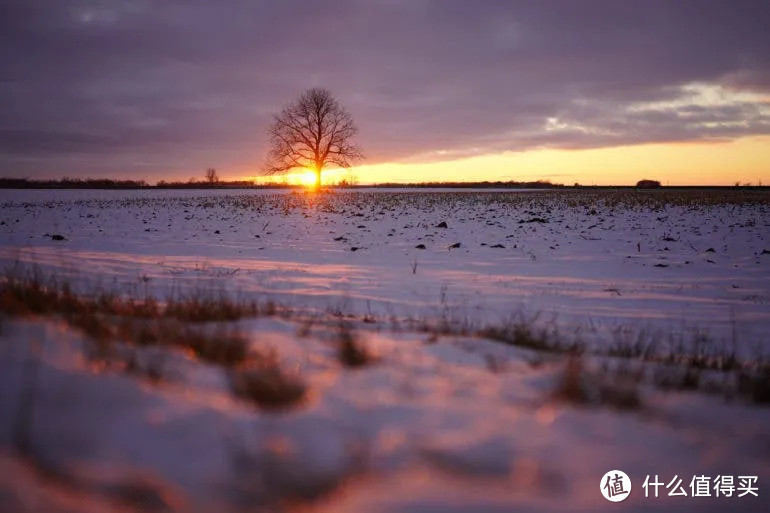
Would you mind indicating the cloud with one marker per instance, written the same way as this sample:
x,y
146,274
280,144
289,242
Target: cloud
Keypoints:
x,y
114,87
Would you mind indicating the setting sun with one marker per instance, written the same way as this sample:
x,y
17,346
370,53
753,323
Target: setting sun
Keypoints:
x,y
306,177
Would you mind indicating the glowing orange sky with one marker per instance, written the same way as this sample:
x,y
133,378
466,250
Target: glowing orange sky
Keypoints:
x,y
745,160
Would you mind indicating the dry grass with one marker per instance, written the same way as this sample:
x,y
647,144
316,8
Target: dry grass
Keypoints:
x,y
199,325
686,362
197,309
754,383
35,294
351,352
218,344
268,386
184,324
579,385
523,334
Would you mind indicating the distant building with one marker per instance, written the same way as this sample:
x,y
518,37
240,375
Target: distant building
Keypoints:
x,y
647,184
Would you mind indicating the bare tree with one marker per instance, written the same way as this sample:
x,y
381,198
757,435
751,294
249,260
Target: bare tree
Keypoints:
x,y
211,175
313,132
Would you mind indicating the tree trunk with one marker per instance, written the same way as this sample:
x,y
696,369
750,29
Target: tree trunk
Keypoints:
x,y
318,178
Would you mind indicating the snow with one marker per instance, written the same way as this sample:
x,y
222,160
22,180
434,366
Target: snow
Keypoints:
x,y
454,423
584,269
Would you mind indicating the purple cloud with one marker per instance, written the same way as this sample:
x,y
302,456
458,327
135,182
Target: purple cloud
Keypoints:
x,y
100,87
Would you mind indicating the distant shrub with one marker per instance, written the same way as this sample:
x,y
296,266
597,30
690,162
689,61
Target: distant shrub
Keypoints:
x,y
647,184
754,384
351,352
268,387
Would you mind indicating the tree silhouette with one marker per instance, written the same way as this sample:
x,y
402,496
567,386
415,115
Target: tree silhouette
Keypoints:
x,y
211,175
312,132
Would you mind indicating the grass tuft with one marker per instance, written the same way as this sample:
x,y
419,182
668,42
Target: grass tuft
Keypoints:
x,y
34,294
268,386
523,334
351,352
199,309
106,318
754,384
581,386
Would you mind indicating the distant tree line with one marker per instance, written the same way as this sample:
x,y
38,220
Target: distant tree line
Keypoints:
x,y
106,183
539,184
218,184
212,181
349,182
71,183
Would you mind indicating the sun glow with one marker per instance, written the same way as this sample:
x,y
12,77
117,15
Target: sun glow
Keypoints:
x,y
744,160
306,178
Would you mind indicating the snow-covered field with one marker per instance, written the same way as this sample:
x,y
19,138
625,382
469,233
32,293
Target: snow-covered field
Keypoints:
x,y
452,415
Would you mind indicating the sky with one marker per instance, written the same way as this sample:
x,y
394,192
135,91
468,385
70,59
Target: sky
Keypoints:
x,y
595,92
